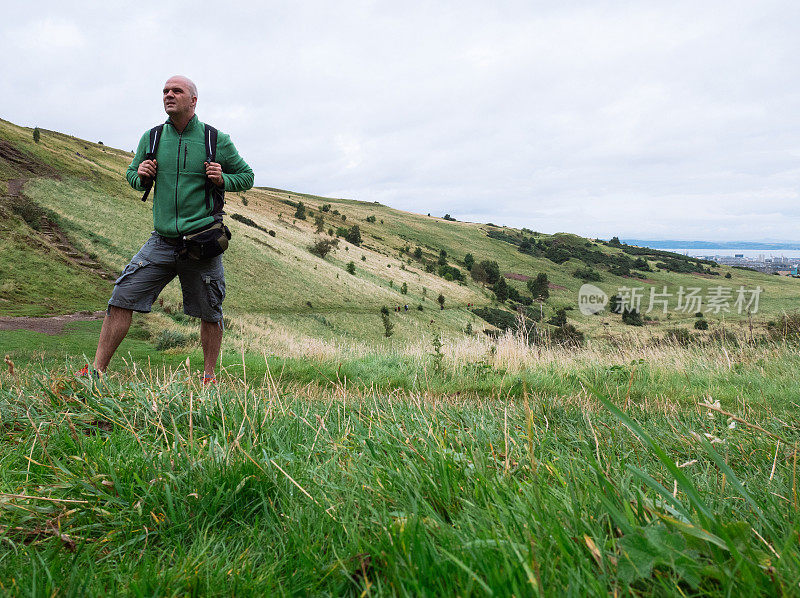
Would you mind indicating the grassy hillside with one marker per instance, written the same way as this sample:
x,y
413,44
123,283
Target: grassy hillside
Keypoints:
x,y
272,274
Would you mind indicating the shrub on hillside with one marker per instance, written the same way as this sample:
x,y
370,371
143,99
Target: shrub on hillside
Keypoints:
x,y
351,267
486,271
567,336
37,134
469,261
587,274
388,326
247,221
786,327
323,247
500,289
450,271
370,219
499,318
354,235
701,325
300,213
632,317
559,318
678,336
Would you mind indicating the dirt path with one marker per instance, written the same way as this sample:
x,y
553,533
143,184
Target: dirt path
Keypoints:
x,y
51,326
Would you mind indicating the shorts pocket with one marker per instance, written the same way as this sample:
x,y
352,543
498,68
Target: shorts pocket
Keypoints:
x,y
135,265
216,291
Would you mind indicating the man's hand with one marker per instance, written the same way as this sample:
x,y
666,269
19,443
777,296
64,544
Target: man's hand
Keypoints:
x,y
147,169
214,173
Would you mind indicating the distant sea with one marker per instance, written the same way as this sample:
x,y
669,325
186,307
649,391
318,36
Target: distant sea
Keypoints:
x,y
751,250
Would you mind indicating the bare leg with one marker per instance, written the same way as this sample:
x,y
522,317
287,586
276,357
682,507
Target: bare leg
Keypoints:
x,y
211,339
115,327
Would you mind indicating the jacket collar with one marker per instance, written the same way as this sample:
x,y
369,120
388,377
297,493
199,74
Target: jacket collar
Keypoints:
x,y
189,126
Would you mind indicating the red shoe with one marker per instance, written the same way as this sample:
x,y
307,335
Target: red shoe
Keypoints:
x,y
87,372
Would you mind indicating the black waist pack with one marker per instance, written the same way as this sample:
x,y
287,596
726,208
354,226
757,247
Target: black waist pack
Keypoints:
x,y
203,244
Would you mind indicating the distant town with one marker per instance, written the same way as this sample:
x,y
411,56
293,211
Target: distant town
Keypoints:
x,y
785,266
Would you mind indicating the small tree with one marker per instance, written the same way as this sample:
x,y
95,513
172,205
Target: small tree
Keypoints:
x,y
440,299
36,134
388,326
351,267
404,289
501,289
319,221
539,286
418,253
559,318
326,207
300,214
354,235
469,261
486,271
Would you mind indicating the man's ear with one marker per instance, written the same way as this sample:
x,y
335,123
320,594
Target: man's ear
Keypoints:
x,y
194,101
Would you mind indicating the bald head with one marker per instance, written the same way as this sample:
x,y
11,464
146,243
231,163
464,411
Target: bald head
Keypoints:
x,y
192,88
180,99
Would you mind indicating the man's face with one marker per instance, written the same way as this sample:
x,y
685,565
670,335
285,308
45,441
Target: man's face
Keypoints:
x,y
178,100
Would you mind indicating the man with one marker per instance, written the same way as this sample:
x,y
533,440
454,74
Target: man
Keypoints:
x,y
179,173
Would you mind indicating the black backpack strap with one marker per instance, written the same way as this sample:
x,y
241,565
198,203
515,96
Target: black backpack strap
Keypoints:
x,y
152,148
212,191
211,143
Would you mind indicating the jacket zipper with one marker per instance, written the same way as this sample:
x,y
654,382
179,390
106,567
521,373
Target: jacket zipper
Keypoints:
x,y
177,180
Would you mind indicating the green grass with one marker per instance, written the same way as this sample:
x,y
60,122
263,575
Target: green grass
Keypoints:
x,y
280,487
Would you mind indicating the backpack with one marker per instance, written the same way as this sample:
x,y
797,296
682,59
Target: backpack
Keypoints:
x,y
213,193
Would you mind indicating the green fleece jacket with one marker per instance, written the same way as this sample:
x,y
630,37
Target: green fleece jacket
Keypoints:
x,y
179,194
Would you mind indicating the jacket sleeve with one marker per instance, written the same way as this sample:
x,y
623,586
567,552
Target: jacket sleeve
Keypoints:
x,y
134,179
236,173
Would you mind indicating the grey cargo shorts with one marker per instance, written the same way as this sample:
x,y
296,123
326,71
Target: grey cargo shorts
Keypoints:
x,y
150,270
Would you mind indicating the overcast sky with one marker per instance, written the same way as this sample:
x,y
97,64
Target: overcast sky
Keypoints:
x,y
670,119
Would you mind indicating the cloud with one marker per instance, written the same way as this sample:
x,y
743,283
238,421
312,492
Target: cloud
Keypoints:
x,y
601,118
48,35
